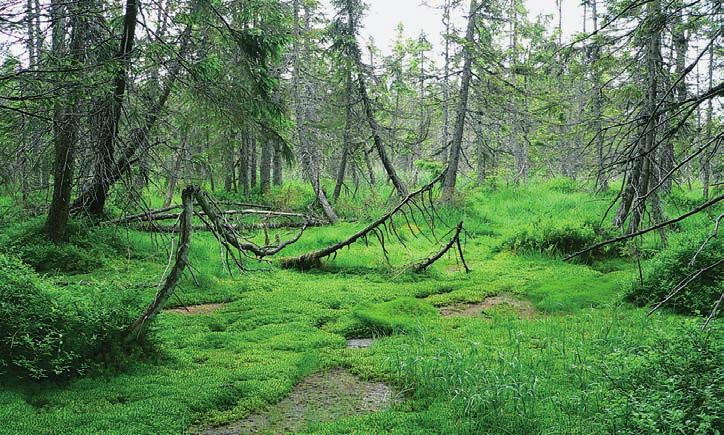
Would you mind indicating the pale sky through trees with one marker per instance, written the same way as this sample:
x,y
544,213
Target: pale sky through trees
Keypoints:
x,y
383,16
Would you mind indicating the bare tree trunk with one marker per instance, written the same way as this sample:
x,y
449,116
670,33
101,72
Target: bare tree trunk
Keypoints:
x,y
182,260
601,177
706,156
302,92
137,143
347,135
446,84
111,112
639,181
277,169
65,122
252,162
379,146
244,163
175,174
456,145
265,164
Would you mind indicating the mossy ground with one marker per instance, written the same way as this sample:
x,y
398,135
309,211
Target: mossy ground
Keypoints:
x,y
499,373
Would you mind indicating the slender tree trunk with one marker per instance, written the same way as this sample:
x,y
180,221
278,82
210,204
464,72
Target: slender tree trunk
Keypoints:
x,y
446,85
111,115
379,146
457,140
265,164
347,147
65,122
244,163
175,174
278,168
252,162
706,156
601,177
302,92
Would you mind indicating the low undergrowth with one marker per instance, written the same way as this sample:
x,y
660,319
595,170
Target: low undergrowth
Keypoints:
x,y
588,363
687,253
43,337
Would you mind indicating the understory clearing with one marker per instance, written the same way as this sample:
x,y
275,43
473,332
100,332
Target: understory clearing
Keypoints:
x,y
554,348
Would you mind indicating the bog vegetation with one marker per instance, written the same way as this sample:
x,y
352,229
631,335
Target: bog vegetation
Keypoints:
x,y
201,203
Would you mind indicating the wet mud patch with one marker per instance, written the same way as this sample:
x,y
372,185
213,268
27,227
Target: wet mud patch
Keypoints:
x,y
524,309
195,310
321,397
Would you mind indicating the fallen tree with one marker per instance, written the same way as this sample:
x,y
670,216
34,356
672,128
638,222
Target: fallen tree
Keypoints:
x,y
223,232
313,259
162,215
152,227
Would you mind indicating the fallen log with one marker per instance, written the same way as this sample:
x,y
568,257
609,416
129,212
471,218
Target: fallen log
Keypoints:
x,y
161,215
313,259
455,240
227,236
169,229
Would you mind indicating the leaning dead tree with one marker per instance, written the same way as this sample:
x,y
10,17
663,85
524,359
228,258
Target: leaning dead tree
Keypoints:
x,y
412,203
182,260
224,232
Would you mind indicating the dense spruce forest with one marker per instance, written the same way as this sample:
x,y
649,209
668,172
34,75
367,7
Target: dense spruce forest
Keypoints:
x,y
260,216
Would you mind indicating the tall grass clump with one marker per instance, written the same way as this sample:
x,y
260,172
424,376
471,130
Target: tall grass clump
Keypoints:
x,y
673,385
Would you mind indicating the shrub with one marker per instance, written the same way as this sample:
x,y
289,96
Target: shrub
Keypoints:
x,y
562,237
41,337
87,247
673,265
675,385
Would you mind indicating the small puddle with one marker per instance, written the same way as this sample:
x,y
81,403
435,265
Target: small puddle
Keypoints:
x,y
321,397
524,309
359,343
192,310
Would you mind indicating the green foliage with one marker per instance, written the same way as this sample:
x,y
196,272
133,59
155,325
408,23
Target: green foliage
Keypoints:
x,y
395,316
41,337
674,264
478,374
675,385
87,248
562,236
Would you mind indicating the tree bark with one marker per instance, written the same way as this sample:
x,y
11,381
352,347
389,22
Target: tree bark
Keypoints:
x,y
265,166
111,113
347,146
379,146
278,168
65,122
138,140
302,93
175,173
456,145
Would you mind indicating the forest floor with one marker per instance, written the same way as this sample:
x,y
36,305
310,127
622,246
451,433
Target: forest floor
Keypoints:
x,y
524,343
